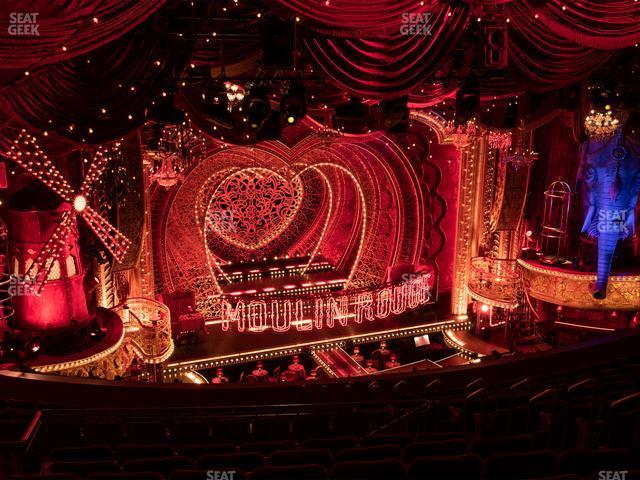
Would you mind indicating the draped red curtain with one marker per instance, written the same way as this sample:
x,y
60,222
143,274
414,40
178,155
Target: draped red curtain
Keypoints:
x,y
356,45
65,28
610,24
391,66
541,58
355,18
101,97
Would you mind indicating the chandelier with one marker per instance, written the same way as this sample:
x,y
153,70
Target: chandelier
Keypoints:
x,y
499,140
179,147
601,125
519,159
460,133
235,95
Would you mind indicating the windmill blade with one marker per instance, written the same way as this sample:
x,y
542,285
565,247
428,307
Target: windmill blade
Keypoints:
x,y
40,269
114,241
26,152
96,169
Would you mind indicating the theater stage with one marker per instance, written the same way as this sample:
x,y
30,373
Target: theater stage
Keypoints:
x,y
225,348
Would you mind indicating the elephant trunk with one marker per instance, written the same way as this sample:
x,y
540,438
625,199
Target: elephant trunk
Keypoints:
x,y
607,242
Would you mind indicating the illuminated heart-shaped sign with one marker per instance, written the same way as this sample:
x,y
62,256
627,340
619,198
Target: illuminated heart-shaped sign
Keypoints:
x,y
253,206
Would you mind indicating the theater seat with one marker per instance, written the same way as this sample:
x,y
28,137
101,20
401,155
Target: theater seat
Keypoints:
x,y
488,446
590,462
379,452
332,444
267,447
296,472
202,475
536,464
52,476
67,433
165,466
317,425
243,461
190,432
135,451
302,457
196,450
438,436
435,449
460,467
146,432
84,468
109,433
368,470
126,476
80,454
401,439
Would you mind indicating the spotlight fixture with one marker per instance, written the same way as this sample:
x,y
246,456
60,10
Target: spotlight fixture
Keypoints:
x,y
257,105
293,105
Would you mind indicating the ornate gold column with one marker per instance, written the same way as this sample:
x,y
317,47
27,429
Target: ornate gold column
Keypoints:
x,y
470,217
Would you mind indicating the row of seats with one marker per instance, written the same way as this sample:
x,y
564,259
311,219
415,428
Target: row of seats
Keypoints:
x,y
524,465
322,450
236,429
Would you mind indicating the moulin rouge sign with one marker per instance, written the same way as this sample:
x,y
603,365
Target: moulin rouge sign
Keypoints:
x,y
280,315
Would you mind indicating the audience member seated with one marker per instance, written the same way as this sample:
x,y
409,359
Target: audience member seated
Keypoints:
x,y
260,373
297,368
393,362
356,355
219,378
370,367
313,375
381,355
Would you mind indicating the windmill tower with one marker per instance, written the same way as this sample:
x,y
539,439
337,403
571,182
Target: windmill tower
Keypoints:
x,y
44,253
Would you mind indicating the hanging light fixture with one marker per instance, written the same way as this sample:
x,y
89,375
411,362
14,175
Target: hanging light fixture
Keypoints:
x,y
179,147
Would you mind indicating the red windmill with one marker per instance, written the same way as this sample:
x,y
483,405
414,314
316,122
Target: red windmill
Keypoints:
x,y
26,152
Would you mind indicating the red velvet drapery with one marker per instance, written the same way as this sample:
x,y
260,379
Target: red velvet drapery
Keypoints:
x,y
65,28
355,44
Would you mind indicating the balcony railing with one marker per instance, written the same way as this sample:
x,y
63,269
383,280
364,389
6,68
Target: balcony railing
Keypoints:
x,y
147,325
494,281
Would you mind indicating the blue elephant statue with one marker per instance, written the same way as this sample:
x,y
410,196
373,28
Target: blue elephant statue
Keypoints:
x,y
611,171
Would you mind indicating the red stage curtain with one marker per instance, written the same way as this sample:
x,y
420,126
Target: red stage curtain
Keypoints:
x,y
610,24
68,97
69,24
387,67
542,59
355,18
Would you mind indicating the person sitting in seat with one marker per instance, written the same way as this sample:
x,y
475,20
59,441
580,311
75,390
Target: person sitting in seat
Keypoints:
x,y
314,375
219,378
260,373
356,355
297,368
370,368
381,355
393,361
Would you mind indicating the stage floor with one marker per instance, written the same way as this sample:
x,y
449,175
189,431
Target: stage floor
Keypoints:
x,y
225,348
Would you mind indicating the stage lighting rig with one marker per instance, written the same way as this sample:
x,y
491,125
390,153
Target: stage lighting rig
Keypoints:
x,y
256,104
293,105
